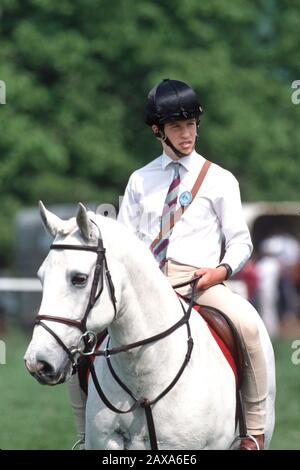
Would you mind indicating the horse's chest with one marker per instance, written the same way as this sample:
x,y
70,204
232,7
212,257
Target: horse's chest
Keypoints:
x,y
116,431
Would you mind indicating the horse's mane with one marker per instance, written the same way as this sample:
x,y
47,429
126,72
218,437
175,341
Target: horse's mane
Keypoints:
x,y
120,242
124,239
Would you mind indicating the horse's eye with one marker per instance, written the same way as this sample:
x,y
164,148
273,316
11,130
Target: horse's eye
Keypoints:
x,y
79,279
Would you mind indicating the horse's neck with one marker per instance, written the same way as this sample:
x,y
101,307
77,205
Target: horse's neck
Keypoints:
x,y
148,303
148,307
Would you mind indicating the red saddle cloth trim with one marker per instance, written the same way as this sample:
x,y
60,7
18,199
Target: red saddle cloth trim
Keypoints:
x,y
221,344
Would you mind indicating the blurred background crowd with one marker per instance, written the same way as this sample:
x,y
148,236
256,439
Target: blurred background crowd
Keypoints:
x,y
272,281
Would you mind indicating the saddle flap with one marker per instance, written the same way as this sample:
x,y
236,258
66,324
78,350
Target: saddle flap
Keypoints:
x,y
224,328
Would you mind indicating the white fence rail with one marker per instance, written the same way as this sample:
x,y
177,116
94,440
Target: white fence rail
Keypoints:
x,y
19,284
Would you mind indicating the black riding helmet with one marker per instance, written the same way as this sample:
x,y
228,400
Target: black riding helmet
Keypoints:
x,y
171,100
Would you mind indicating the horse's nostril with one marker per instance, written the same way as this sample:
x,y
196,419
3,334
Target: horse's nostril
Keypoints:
x,y
43,368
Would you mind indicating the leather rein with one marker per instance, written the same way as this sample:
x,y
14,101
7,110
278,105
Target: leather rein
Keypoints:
x,y
88,340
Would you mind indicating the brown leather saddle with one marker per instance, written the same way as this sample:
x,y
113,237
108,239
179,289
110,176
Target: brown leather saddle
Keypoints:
x,y
225,329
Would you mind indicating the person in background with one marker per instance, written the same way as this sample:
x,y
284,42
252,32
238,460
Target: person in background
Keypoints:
x,y
248,274
284,250
268,270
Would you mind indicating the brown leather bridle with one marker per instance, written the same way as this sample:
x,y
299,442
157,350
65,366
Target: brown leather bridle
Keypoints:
x,y
88,340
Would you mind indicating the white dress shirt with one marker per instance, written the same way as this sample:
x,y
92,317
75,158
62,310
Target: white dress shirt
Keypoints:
x,y
214,214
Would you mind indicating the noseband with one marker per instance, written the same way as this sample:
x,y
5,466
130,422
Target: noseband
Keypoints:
x,y
88,339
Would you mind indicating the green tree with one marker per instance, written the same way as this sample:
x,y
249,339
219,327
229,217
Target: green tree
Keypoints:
x,y
77,75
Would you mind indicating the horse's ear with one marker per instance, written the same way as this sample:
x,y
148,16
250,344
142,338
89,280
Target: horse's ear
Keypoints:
x,y
85,224
51,222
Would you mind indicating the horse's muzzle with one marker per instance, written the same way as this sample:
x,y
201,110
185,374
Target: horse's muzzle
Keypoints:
x,y
44,373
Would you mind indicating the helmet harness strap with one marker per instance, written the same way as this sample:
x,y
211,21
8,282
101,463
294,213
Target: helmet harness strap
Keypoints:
x,y
161,135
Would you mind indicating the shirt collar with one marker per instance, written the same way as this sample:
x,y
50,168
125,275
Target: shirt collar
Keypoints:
x,y
186,162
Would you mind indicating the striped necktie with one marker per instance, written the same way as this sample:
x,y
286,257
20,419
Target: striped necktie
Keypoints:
x,y
159,250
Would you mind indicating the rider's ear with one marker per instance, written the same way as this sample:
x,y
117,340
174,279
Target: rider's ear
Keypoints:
x,y
86,227
51,222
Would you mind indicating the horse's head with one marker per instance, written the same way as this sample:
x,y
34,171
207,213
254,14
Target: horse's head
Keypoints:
x,y
74,277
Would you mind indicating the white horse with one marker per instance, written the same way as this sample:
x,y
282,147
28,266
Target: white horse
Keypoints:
x,y
199,411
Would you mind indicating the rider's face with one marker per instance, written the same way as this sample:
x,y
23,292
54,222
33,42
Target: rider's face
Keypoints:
x,y
182,134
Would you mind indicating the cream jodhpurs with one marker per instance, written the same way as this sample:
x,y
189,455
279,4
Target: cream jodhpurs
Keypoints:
x,y
242,314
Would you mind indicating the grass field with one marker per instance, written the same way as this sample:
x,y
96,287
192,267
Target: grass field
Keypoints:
x,y
32,416
39,417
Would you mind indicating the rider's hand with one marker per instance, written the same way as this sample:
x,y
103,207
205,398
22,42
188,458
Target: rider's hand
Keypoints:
x,y
210,276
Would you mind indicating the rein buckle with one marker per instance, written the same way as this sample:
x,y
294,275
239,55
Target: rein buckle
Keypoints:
x,y
87,343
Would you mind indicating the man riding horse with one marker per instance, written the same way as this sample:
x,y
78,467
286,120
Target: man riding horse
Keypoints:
x,y
193,246
164,198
